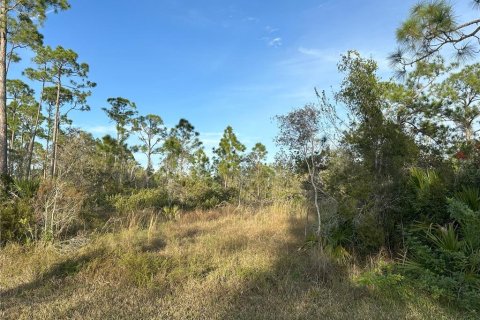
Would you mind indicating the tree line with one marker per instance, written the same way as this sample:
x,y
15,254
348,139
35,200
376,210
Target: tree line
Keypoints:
x,y
57,178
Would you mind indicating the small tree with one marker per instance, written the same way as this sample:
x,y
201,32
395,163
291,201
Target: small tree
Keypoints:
x,y
180,146
41,75
122,112
65,73
256,159
229,156
151,132
300,136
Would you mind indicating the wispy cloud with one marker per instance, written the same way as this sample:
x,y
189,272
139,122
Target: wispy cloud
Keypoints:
x,y
271,29
325,55
100,129
252,19
272,38
275,42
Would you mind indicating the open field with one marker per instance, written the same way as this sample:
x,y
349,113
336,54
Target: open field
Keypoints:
x,y
222,264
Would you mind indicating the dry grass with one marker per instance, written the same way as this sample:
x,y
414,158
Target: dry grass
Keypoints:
x,y
229,264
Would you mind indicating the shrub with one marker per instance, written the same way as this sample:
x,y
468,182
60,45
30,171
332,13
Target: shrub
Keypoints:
x,y
16,221
212,197
445,260
427,199
140,200
58,206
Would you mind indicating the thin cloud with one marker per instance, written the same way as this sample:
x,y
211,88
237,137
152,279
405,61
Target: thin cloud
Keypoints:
x,y
328,56
275,42
271,29
100,130
252,19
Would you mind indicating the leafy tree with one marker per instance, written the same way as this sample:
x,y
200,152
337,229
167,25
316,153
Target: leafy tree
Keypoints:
x,y
179,150
21,108
121,112
229,157
180,146
65,72
50,98
108,149
259,171
151,132
377,143
460,97
300,135
414,105
40,74
18,14
201,164
431,27
22,33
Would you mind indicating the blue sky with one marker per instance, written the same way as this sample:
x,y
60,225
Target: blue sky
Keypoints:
x,y
219,62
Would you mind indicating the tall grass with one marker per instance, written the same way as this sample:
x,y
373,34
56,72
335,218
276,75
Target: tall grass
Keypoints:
x,y
228,263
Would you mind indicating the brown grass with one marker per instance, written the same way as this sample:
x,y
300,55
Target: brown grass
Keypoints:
x,y
224,264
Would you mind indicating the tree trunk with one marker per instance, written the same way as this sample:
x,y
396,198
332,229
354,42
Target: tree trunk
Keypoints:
x,y
149,166
31,144
56,127
50,127
11,142
311,172
468,133
3,88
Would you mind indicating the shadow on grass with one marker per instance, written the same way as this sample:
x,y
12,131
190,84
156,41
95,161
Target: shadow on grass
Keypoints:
x,y
303,285
299,285
48,285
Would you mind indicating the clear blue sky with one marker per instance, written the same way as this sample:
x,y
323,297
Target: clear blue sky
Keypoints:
x,y
219,62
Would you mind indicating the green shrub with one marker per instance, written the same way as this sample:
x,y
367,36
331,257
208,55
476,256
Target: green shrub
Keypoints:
x,y
369,232
470,197
445,260
140,200
427,199
16,221
212,197
17,217
26,188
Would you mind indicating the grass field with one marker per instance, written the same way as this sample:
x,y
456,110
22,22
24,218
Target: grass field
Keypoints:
x,y
225,264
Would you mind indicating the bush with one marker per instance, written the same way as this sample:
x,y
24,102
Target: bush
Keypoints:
x,y
16,221
140,200
445,260
427,199
211,197
58,206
